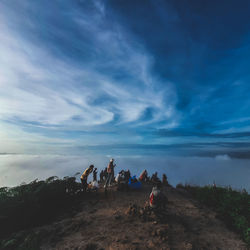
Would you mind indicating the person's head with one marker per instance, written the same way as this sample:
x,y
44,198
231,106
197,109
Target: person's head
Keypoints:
x,y
157,185
111,160
91,166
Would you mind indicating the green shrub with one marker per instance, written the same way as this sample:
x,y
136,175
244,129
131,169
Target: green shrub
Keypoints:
x,y
35,203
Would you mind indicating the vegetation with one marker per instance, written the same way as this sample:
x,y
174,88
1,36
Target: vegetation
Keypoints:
x,y
34,204
233,207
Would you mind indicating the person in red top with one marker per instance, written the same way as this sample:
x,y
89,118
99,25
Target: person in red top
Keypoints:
x,y
143,175
110,170
157,200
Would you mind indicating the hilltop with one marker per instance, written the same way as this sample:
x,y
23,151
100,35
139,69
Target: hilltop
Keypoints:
x,y
111,220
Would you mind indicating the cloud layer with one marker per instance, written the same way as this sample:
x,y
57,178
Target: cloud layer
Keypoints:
x,y
192,170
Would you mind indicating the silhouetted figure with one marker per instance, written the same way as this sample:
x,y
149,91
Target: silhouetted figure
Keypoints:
x,y
95,174
127,175
164,179
122,180
101,176
105,173
155,178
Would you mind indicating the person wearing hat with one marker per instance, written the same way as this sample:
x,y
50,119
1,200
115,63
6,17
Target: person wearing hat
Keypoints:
x,y
84,176
110,170
157,200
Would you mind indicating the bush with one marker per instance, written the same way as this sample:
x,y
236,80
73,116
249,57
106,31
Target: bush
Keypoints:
x,y
35,203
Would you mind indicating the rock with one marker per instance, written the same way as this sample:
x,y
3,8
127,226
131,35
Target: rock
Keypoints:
x,y
118,217
124,241
188,246
151,244
93,211
91,246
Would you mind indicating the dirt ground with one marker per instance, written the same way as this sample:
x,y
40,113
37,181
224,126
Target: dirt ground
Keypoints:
x,y
104,223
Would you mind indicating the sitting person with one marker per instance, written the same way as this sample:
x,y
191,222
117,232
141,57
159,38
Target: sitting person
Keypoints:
x,y
155,178
143,176
157,200
122,181
164,179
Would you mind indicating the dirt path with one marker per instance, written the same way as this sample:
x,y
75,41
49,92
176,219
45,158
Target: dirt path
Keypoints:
x,y
104,224
196,227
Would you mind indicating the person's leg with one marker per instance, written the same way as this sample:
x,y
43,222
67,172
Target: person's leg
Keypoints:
x,y
107,181
109,178
84,184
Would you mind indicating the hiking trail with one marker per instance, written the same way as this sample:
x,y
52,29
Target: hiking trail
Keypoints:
x,y
103,223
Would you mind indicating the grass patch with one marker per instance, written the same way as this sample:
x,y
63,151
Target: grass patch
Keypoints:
x,y
233,207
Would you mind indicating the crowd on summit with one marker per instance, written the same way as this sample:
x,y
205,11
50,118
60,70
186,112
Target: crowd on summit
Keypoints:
x,y
125,181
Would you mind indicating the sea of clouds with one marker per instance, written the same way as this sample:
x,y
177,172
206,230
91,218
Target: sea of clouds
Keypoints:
x,y
225,171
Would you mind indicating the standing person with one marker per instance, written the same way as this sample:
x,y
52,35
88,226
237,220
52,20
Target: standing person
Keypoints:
x,y
105,174
95,174
164,179
84,176
101,176
110,171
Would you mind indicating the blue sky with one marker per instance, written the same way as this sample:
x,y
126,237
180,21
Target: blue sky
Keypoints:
x,y
125,74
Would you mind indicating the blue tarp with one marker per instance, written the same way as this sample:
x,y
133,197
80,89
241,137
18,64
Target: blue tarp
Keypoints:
x,y
134,185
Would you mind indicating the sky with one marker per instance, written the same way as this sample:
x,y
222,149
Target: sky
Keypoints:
x,y
155,77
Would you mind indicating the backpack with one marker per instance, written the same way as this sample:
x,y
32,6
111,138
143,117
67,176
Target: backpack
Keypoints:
x,y
154,198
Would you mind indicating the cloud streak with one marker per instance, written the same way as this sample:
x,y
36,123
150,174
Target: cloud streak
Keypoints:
x,y
42,89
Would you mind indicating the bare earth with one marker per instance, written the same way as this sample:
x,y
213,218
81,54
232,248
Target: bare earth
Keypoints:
x,y
103,223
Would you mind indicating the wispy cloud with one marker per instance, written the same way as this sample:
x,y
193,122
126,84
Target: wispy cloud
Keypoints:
x,y
79,69
41,88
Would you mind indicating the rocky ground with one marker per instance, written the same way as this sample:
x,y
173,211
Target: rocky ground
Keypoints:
x,y
113,220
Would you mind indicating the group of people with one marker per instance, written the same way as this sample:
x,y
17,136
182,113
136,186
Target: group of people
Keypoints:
x,y
107,176
154,178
